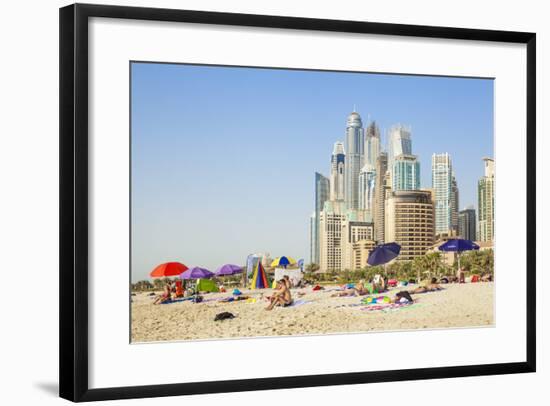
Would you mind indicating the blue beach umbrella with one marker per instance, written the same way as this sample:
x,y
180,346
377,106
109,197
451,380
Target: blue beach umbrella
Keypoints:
x,y
384,253
458,245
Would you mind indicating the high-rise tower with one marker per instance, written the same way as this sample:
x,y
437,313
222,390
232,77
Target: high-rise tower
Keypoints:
x,y
337,171
406,173
455,203
380,187
372,144
322,189
467,223
399,143
367,182
486,202
354,159
442,186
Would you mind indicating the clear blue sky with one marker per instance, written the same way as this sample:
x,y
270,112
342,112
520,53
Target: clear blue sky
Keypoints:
x,y
223,159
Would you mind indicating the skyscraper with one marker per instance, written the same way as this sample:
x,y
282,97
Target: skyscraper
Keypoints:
x,y
442,187
486,202
380,187
406,173
455,203
322,188
399,143
331,219
337,170
410,222
467,223
312,238
354,159
367,182
372,144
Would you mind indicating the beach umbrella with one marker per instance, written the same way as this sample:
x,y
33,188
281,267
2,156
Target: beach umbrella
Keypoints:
x,y
283,261
384,253
458,245
168,269
196,273
228,270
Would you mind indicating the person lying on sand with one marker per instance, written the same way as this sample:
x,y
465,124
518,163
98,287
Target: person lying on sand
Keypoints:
x,y
281,296
403,297
430,287
166,295
234,298
358,290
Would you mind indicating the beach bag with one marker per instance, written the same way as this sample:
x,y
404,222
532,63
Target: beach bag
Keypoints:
x,y
224,316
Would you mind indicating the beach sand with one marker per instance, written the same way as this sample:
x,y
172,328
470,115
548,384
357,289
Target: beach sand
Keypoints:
x,y
465,305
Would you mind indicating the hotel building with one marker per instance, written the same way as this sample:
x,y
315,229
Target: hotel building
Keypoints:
x,y
409,221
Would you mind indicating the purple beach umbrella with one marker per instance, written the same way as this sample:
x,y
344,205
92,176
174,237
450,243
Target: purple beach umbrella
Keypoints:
x,y
228,270
196,273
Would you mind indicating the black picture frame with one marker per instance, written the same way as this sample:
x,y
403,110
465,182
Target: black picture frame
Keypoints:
x,y
73,281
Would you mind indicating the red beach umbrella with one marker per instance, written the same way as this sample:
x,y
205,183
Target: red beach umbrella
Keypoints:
x,y
168,269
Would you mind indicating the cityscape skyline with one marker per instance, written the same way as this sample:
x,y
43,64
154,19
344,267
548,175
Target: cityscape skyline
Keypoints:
x,y
184,109
344,226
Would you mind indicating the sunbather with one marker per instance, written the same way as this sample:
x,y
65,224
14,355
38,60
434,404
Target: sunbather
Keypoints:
x,y
358,290
281,296
166,295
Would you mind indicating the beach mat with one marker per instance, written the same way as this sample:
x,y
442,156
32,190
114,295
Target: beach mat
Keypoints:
x,y
386,307
297,303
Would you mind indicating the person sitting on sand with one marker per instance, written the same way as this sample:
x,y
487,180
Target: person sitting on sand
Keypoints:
x,y
460,275
379,284
281,296
166,296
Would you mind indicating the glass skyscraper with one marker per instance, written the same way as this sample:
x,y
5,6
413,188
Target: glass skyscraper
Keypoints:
x,y
322,191
399,143
372,144
367,179
354,159
406,173
467,223
337,171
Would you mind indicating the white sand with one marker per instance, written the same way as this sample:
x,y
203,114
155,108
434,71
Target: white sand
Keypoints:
x,y
466,305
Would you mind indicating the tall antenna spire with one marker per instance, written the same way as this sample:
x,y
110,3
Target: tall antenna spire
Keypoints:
x,y
354,108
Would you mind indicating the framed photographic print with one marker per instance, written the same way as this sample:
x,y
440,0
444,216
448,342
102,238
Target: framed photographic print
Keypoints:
x,y
358,198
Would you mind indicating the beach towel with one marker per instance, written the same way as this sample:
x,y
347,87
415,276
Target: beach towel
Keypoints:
x,y
297,302
385,307
177,300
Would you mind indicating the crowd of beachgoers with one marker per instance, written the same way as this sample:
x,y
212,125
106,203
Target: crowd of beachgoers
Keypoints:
x,y
181,313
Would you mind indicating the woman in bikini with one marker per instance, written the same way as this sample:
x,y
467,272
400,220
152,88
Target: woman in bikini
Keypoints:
x,y
166,296
281,297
